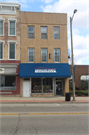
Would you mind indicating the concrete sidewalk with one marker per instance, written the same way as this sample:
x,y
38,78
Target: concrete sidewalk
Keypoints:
x,y
60,99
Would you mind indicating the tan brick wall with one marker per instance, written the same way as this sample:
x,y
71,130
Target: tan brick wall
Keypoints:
x,y
21,87
66,85
43,19
7,38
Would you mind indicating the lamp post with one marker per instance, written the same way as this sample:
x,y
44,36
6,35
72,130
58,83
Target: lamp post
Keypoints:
x,y
71,19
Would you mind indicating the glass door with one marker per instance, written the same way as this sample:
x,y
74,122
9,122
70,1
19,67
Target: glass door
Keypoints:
x,y
58,88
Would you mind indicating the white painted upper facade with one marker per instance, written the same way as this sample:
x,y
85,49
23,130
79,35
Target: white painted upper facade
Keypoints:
x,y
8,8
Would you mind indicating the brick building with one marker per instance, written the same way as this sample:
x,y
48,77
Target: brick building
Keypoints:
x,y
9,48
44,68
81,75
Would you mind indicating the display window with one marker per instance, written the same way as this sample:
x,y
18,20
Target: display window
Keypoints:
x,y
36,85
47,85
8,83
42,85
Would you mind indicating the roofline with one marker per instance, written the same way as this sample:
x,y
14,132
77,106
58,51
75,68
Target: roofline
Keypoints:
x,y
42,12
9,4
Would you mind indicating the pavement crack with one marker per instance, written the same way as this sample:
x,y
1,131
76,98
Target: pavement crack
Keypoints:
x,y
16,130
34,129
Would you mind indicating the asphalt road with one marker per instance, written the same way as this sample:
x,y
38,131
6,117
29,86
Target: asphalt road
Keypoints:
x,y
53,107
44,124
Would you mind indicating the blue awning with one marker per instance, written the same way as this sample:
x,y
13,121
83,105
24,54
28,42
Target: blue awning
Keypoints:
x,y
39,70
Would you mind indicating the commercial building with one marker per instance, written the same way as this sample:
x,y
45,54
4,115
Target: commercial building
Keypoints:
x,y
44,69
81,76
9,48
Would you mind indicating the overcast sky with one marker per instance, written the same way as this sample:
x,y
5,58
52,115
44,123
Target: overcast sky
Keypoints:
x,y
80,22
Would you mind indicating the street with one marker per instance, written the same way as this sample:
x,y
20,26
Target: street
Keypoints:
x,y
38,119
44,107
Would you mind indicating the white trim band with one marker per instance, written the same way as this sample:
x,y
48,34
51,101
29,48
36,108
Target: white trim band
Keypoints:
x,y
2,41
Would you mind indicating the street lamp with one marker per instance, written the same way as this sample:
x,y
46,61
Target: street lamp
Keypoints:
x,y
71,19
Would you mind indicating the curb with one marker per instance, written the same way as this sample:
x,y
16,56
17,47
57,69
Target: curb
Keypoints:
x,y
42,101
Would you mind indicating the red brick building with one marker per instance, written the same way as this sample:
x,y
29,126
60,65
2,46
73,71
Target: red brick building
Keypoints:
x,y
9,48
80,70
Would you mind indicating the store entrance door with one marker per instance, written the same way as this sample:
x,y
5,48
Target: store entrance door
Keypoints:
x,y
58,88
26,88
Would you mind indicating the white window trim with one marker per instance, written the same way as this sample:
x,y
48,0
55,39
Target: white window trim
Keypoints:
x,y
28,56
54,56
41,55
46,33
53,32
2,41
31,32
12,19
11,41
2,19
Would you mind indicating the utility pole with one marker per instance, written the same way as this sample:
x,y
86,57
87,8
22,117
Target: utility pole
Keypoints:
x,y
72,56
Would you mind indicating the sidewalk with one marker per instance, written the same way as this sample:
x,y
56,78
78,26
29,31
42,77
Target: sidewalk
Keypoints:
x,y
42,100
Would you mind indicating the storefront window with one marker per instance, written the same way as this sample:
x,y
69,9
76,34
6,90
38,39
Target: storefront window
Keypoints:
x,y
8,83
36,85
42,85
47,85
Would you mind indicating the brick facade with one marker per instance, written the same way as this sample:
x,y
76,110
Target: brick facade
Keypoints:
x,y
49,20
79,71
6,39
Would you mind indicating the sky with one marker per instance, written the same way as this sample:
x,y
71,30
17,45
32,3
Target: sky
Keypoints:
x,y
80,26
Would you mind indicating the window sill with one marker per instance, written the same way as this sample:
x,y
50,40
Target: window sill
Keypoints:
x,y
31,38
44,62
57,62
1,35
56,38
44,38
31,62
12,35
11,59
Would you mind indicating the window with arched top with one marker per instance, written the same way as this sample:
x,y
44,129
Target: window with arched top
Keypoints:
x,y
84,80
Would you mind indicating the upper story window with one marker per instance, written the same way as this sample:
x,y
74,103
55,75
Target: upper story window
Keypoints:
x,y
43,32
2,42
30,55
2,26
56,55
12,27
43,55
12,51
30,31
56,32
1,50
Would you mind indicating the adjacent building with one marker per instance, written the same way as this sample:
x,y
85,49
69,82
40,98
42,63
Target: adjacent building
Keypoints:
x,y
44,69
81,76
10,48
